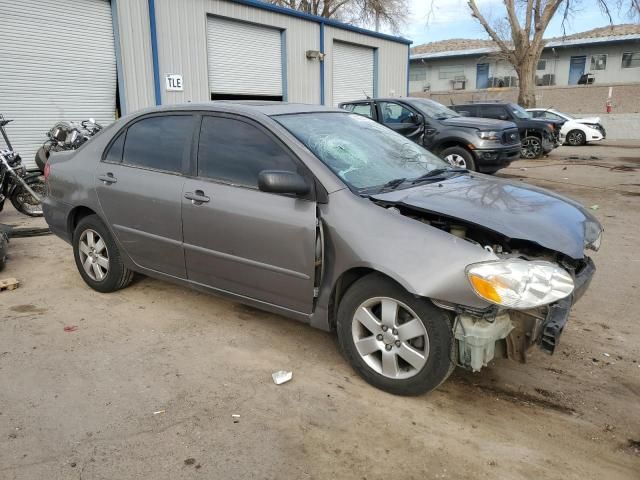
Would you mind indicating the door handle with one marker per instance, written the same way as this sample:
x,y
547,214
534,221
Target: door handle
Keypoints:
x,y
108,178
197,198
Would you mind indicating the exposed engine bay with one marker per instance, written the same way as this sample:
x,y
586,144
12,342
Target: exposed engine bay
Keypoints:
x,y
497,331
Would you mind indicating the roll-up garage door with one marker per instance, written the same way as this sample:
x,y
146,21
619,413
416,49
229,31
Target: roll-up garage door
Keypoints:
x,y
352,72
58,63
244,59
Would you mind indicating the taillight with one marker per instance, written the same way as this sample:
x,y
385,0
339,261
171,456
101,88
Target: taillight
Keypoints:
x,y
47,170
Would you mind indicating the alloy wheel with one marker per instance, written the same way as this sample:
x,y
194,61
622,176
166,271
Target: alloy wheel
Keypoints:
x,y
456,160
390,338
531,147
94,255
575,138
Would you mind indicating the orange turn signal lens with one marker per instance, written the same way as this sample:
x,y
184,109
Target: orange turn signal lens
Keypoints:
x,y
485,289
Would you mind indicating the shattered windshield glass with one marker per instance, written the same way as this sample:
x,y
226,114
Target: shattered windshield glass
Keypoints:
x,y
363,153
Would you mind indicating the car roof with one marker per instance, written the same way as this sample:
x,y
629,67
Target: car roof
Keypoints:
x,y
244,106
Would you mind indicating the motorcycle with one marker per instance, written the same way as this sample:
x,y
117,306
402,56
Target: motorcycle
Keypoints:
x,y
66,136
23,188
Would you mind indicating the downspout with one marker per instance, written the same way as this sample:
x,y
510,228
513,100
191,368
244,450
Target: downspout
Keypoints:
x,y
322,63
408,65
154,51
118,51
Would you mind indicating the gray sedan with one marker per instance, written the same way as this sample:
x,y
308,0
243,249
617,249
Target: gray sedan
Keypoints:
x,y
330,218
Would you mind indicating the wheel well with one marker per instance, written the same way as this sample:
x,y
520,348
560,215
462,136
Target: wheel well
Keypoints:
x,y
343,283
450,143
77,214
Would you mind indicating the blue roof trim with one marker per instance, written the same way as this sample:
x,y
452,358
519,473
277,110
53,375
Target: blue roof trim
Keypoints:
x,y
315,18
154,51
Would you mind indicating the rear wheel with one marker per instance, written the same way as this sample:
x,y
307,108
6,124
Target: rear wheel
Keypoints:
x,y
24,202
576,138
97,256
458,157
531,147
397,342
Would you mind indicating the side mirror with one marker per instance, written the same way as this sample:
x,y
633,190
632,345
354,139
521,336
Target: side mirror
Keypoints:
x,y
504,117
416,119
282,181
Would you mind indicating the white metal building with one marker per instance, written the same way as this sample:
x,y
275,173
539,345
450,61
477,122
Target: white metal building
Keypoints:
x,y
614,58
75,59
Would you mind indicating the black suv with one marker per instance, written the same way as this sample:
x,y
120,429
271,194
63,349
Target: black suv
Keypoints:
x,y
538,136
482,145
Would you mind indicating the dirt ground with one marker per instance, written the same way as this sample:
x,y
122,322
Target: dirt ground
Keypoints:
x,y
147,384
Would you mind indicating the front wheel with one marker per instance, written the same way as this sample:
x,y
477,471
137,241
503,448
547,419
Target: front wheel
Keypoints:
x,y
458,157
531,148
576,138
397,342
24,202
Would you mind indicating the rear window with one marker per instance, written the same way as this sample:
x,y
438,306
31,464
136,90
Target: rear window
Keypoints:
x,y
160,143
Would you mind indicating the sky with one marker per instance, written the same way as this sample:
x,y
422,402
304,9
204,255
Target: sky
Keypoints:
x,y
433,20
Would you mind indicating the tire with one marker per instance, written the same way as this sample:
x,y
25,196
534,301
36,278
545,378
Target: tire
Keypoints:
x,y
42,155
88,234
431,337
458,157
24,202
531,147
576,138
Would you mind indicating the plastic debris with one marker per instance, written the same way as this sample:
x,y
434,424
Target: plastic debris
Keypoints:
x,y
235,415
606,355
159,412
594,207
70,328
281,377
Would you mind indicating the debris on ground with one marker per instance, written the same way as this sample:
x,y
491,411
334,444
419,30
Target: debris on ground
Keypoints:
x,y
235,415
70,328
281,376
606,354
190,461
594,207
159,412
9,284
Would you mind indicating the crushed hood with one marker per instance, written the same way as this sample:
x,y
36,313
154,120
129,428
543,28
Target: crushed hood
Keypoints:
x,y
588,120
516,210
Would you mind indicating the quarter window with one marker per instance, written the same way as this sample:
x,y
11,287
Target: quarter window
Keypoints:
x,y
236,152
114,155
598,62
631,60
159,142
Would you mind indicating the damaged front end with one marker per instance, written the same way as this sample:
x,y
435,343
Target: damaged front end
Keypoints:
x,y
530,290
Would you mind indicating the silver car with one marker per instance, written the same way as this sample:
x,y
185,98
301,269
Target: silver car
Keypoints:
x,y
330,218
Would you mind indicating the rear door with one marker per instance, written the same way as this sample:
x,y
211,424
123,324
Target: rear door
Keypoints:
x,y
139,186
401,119
237,238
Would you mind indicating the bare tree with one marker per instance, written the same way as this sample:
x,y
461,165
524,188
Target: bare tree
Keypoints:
x,y
366,13
519,36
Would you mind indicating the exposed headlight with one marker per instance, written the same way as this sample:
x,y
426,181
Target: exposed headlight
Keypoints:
x,y
520,284
489,135
592,235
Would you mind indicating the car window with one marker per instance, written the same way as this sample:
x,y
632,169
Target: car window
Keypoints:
x,y
235,151
467,110
159,142
362,109
360,151
114,154
519,112
395,113
551,116
491,111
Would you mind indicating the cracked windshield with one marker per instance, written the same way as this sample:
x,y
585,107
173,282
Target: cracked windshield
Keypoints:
x,y
363,153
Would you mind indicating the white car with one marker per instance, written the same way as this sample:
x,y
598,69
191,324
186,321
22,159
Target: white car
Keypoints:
x,y
575,131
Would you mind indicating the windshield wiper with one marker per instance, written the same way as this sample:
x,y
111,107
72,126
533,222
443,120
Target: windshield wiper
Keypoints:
x,y
436,173
396,182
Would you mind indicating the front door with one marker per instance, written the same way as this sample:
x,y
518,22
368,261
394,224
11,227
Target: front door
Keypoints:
x,y
482,75
576,69
401,119
237,238
139,186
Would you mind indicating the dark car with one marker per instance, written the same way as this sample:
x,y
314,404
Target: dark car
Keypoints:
x,y
482,145
333,219
538,136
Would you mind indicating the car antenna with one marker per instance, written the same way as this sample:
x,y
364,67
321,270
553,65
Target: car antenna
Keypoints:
x,y
366,96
